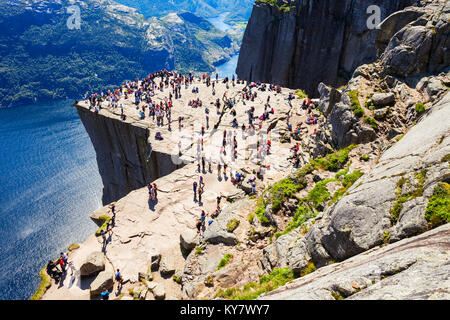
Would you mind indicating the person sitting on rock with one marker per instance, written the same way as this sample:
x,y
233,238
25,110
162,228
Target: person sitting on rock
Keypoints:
x,y
52,270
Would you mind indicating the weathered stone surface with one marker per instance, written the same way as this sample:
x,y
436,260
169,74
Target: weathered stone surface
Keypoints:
x,y
414,268
155,259
217,232
189,239
94,262
104,280
294,49
167,266
382,99
289,250
421,44
380,114
328,98
122,160
359,221
157,290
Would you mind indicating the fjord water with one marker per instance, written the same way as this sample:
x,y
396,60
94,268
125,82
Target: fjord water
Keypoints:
x,y
228,68
49,185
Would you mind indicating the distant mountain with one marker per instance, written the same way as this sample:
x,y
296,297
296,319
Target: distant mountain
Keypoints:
x,y
41,58
239,10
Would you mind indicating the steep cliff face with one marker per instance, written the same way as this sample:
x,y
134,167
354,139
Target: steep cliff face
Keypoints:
x,y
309,43
124,155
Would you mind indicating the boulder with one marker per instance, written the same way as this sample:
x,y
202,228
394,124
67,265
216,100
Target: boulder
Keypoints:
x,y
383,99
289,250
216,232
360,220
94,263
157,290
167,266
155,258
328,98
103,281
412,269
380,114
189,239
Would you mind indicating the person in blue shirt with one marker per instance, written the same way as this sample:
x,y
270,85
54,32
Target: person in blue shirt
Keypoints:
x,y
105,295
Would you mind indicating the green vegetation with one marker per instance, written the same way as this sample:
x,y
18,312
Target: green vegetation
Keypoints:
x,y
402,198
319,194
288,188
267,283
310,267
285,7
387,237
260,213
105,219
420,108
347,182
355,104
337,296
251,217
334,161
301,94
372,122
283,190
176,279
46,283
232,224
369,103
364,157
43,59
302,215
438,208
446,158
341,173
73,247
226,258
198,251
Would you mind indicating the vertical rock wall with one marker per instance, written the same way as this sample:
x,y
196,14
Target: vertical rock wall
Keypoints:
x,y
310,43
125,158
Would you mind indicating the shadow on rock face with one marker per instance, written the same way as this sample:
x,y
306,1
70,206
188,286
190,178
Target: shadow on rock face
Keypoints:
x,y
152,204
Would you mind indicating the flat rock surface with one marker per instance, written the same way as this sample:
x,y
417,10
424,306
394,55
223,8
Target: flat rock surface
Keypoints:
x,y
414,268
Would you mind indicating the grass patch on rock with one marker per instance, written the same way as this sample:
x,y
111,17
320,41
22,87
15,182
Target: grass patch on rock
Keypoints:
x,y
438,208
73,247
420,108
232,224
355,104
226,258
372,122
46,283
105,219
252,290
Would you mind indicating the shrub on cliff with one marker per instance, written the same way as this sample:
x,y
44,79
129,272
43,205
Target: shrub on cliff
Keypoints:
x,y
438,208
252,290
355,104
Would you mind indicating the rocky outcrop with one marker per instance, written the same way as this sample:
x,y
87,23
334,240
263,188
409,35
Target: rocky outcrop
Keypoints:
x,y
289,251
103,281
364,218
125,158
416,41
94,263
217,230
415,268
312,42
